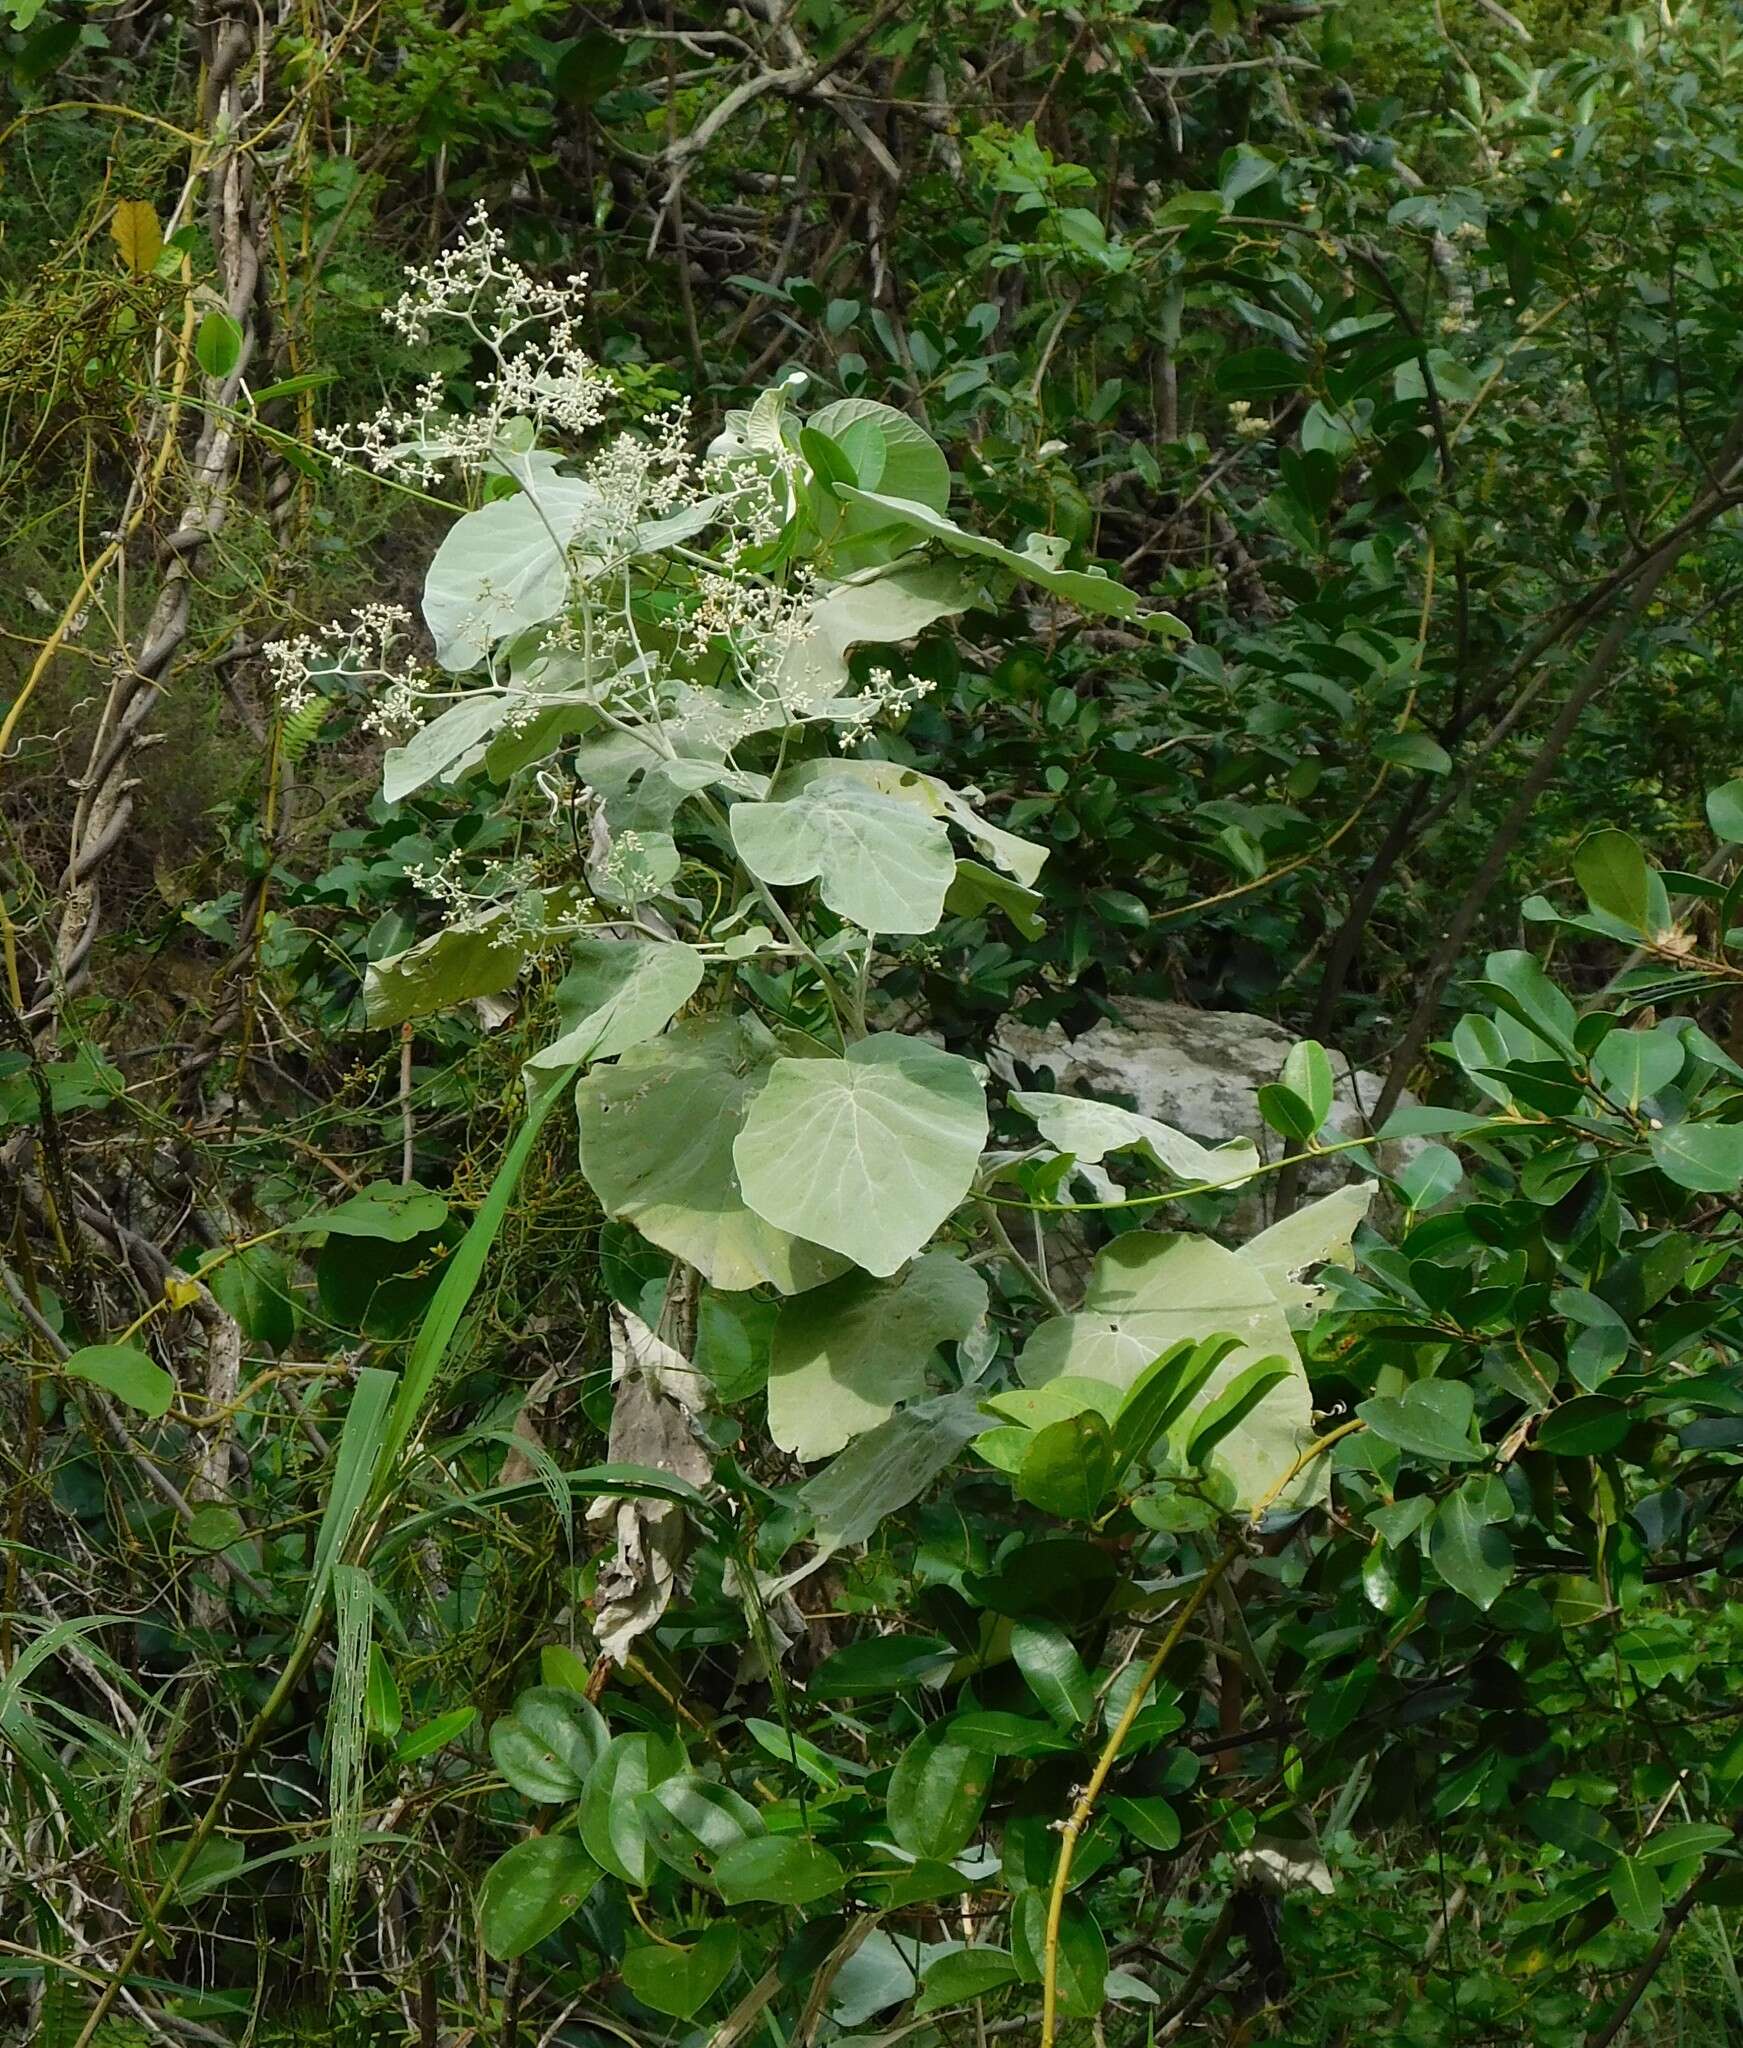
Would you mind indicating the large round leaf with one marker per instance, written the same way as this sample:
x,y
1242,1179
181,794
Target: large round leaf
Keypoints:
x,y
505,567
883,861
843,1356
657,1133
530,1891
548,1744
867,1154
888,451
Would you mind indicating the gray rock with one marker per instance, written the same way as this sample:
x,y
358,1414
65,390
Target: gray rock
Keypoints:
x,y
1201,1071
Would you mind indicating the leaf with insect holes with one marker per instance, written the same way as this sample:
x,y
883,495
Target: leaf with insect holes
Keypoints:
x,y
530,1890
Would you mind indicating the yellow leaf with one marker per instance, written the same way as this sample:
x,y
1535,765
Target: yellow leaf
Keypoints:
x,y
179,1291
137,234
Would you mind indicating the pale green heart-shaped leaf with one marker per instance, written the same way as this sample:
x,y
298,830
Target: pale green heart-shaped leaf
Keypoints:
x,y
1149,1293
618,993
125,1372
977,889
889,452
883,863
1090,1130
506,567
657,1133
843,1356
681,1979
891,607
530,1890
867,1154
449,742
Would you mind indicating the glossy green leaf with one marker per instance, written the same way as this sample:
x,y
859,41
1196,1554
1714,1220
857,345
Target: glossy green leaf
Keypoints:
x,y
1068,1467
964,1974
1469,1552
1705,1157
690,1822
1083,1954
1638,1895
937,1793
417,1743
680,1978
610,1820
1053,1671
781,1870
1431,1419
530,1890
548,1743
1612,871
1585,1427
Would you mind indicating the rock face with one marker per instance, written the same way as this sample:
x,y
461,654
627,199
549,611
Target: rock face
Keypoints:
x,y
1201,1071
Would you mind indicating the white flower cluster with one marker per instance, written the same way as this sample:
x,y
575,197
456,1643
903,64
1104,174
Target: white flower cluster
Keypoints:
x,y
1248,426
542,372
883,698
473,902
366,652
